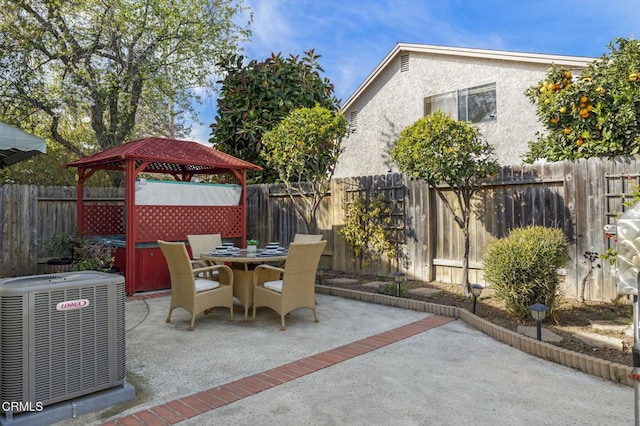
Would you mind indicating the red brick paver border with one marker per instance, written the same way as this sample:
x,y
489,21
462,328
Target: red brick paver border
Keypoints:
x,y
184,408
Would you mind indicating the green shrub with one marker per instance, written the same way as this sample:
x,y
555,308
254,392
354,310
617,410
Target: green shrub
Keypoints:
x,y
93,255
367,229
522,267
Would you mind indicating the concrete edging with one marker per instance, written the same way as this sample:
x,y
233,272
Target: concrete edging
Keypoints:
x,y
615,372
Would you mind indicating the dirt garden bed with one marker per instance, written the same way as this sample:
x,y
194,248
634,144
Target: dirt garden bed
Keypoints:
x,y
609,321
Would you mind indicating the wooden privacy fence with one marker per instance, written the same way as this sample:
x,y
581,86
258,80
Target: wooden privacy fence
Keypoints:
x,y
578,197
31,215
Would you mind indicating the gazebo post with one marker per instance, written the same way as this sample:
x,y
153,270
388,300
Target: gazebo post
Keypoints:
x,y
131,223
243,200
80,201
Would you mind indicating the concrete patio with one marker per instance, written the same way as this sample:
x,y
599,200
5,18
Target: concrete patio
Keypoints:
x,y
364,363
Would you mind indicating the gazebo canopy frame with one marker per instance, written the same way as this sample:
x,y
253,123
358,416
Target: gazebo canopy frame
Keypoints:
x,y
183,160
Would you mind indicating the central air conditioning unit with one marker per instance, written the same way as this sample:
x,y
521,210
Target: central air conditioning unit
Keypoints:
x,y
62,336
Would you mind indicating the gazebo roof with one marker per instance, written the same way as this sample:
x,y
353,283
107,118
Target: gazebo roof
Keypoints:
x,y
166,156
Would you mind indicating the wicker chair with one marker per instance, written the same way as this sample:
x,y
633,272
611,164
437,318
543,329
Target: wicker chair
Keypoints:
x,y
296,289
192,293
306,238
201,243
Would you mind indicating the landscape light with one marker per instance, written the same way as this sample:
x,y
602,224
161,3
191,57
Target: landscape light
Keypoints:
x,y
538,312
476,290
399,277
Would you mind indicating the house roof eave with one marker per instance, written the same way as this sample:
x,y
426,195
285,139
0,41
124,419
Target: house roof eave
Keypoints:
x,y
575,62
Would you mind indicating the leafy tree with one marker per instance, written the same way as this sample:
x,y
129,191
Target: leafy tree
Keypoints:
x,y
65,62
594,115
303,149
255,97
442,150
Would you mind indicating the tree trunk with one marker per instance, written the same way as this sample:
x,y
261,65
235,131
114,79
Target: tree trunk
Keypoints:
x,y
465,204
312,225
465,263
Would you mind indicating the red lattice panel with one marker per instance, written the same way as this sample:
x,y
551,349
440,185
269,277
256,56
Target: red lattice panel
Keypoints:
x,y
104,219
176,222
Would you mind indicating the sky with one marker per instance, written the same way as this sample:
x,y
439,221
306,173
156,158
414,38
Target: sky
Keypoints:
x,y
353,36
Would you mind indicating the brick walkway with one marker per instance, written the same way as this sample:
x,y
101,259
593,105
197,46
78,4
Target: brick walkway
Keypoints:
x,y
190,406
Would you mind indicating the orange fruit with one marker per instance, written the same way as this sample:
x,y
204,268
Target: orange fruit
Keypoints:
x,y
583,99
567,130
584,113
554,120
567,74
580,141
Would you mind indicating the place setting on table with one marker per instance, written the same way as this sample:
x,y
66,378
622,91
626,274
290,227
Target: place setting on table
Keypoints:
x,y
272,249
226,249
230,250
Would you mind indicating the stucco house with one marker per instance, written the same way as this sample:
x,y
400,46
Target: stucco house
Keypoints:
x,y
485,87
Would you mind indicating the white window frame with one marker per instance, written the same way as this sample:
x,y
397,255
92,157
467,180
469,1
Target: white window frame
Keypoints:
x,y
474,104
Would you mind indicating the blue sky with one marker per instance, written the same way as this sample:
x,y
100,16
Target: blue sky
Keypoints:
x,y
353,36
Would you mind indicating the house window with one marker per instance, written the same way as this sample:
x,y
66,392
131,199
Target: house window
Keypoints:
x,y
474,104
353,121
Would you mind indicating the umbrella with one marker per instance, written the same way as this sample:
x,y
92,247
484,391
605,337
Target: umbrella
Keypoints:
x,y
16,145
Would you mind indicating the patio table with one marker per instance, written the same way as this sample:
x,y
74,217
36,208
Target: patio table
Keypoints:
x,y
241,264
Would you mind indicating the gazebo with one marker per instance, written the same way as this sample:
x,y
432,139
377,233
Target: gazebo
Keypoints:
x,y
135,226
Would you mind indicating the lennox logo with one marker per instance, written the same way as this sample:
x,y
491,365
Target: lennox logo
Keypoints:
x,y
72,304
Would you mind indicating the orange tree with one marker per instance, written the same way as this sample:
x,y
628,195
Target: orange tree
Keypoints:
x,y
594,115
441,150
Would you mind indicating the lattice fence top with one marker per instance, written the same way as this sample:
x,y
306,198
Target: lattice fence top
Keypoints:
x,y
176,222
104,219
166,222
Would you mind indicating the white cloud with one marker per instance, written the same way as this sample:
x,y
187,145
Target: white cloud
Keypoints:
x,y
271,27
200,133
